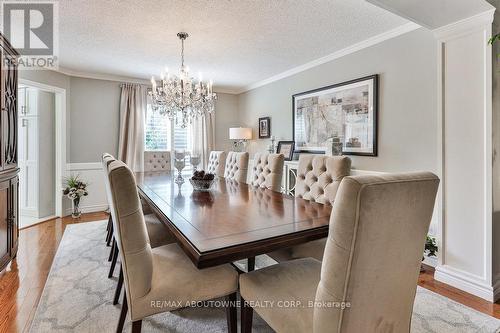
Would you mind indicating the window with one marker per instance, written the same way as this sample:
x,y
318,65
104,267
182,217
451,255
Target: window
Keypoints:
x,y
163,134
157,131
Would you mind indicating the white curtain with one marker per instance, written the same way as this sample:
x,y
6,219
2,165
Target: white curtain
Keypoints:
x,y
133,104
203,136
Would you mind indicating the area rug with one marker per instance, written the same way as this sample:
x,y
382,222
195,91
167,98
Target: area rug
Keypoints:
x,y
78,298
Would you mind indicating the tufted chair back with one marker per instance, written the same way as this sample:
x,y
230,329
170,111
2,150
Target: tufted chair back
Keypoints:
x,y
374,215
319,176
216,163
268,171
157,161
130,231
236,166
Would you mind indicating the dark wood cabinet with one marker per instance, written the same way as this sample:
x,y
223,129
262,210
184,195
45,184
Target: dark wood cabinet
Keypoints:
x,y
9,180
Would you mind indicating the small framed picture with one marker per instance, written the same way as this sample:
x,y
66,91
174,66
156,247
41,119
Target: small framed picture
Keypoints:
x,y
264,128
286,148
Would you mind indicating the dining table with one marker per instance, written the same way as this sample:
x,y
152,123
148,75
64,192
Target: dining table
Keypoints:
x,y
231,221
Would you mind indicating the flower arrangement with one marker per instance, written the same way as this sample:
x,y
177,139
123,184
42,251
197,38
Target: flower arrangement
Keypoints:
x,y
75,189
430,249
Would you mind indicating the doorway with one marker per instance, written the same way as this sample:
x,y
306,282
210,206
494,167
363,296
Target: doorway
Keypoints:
x,y
41,114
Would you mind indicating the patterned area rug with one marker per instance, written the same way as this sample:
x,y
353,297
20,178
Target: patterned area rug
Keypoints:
x,y
78,298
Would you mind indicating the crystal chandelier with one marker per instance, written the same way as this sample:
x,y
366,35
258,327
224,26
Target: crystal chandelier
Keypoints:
x,y
182,98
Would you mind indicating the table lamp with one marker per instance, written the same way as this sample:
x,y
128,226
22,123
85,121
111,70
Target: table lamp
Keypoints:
x,y
240,135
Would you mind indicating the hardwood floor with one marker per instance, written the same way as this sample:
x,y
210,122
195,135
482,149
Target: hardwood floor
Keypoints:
x,y
21,284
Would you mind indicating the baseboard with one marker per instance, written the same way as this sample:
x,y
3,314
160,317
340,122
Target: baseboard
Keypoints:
x,y
431,261
464,281
90,209
29,212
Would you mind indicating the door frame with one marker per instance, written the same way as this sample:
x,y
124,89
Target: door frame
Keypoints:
x,y
60,127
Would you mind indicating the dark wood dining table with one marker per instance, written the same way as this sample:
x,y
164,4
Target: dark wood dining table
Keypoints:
x,y
233,220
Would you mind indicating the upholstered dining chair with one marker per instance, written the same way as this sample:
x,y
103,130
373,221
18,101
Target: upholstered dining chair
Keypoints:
x,y
158,234
268,171
217,163
368,278
157,161
318,179
164,273
236,167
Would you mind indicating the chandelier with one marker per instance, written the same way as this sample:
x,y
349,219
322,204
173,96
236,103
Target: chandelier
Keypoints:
x,y
182,98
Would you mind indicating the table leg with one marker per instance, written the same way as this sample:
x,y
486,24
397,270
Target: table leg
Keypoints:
x,y
251,264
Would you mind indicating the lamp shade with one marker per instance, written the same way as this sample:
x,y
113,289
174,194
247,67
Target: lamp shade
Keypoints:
x,y
240,133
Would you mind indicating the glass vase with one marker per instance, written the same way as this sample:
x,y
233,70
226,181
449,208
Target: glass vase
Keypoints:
x,y
75,205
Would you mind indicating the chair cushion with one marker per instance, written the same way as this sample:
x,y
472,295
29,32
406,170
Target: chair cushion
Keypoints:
x,y
158,234
314,249
295,280
176,279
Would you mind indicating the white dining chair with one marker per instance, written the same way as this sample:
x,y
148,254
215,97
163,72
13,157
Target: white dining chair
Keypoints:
x,y
162,273
236,167
318,179
365,283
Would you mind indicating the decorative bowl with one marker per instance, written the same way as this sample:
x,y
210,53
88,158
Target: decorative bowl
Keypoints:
x,y
202,184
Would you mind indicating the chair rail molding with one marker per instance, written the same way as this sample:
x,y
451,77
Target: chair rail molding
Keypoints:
x,y
465,156
91,172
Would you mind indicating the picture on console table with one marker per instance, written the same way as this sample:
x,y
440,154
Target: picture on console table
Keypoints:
x,y
286,148
346,110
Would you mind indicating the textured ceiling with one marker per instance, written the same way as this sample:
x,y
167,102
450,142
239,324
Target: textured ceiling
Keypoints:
x,y
236,43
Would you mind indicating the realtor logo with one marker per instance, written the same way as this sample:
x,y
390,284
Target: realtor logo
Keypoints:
x,y
31,27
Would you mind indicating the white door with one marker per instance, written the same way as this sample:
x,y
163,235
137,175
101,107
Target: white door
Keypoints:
x,y
28,153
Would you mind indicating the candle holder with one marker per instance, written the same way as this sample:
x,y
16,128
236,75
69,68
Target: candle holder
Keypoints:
x,y
195,161
179,164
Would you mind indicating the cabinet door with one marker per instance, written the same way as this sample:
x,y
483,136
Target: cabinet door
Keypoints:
x,y
5,240
9,112
13,215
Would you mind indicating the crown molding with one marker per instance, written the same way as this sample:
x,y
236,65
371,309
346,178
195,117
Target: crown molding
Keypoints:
x,y
118,78
465,26
408,27
99,76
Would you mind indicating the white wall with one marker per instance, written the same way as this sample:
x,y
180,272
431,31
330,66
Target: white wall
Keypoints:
x,y
94,106
407,107
226,116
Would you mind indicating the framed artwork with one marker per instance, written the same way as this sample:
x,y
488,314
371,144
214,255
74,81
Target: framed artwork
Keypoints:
x,y
286,148
264,128
345,111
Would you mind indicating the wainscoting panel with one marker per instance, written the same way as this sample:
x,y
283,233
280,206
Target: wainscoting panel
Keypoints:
x,y
91,173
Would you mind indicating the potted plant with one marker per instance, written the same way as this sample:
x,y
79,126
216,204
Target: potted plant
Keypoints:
x,y
430,248
75,189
